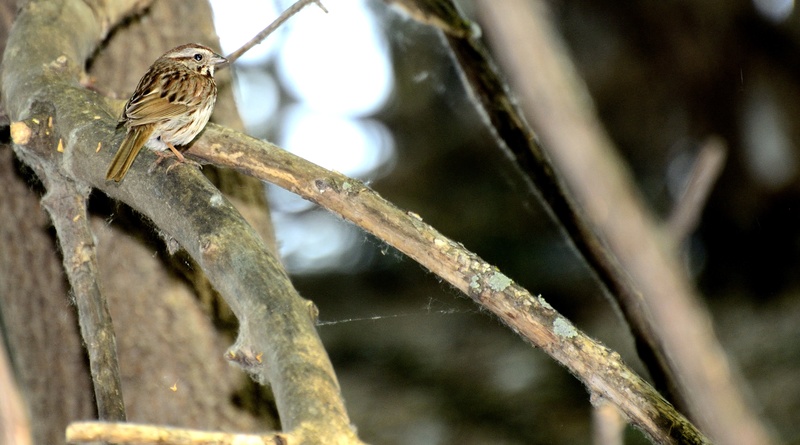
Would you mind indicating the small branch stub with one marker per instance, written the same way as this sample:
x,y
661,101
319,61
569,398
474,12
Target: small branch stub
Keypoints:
x,y
21,133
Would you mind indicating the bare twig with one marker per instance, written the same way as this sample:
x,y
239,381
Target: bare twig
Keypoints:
x,y
130,433
600,369
285,15
707,168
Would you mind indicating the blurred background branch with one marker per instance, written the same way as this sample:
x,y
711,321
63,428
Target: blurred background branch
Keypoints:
x,y
559,105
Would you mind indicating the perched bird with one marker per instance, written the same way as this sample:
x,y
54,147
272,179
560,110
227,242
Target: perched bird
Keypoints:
x,y
171,105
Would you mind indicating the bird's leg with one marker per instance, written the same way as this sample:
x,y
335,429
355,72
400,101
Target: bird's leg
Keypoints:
x,y
178,154
181,159
162,155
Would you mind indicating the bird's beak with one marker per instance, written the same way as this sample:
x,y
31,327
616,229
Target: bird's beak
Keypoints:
x,y
219,61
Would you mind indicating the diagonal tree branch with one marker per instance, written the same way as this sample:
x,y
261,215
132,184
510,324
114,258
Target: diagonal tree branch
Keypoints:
x,y
505,119
600,369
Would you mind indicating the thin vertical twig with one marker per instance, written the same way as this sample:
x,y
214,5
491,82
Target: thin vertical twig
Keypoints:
x,y
706,169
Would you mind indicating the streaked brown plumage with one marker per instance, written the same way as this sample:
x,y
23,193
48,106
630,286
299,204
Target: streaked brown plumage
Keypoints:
x,y
170,106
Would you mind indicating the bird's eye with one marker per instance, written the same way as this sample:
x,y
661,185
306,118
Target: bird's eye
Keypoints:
x,y
198,57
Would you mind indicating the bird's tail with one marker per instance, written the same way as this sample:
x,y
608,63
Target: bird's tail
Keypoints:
x,y
128,150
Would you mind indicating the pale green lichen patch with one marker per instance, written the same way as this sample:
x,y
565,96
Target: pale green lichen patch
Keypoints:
x,y
499,282
475,283
564,328
216,200
544,302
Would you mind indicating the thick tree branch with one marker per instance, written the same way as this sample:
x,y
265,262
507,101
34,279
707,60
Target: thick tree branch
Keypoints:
x,y
67,208
66,205
277,341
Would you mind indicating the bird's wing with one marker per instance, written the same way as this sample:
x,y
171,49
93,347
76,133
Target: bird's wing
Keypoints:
x,y
156,98
152,108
